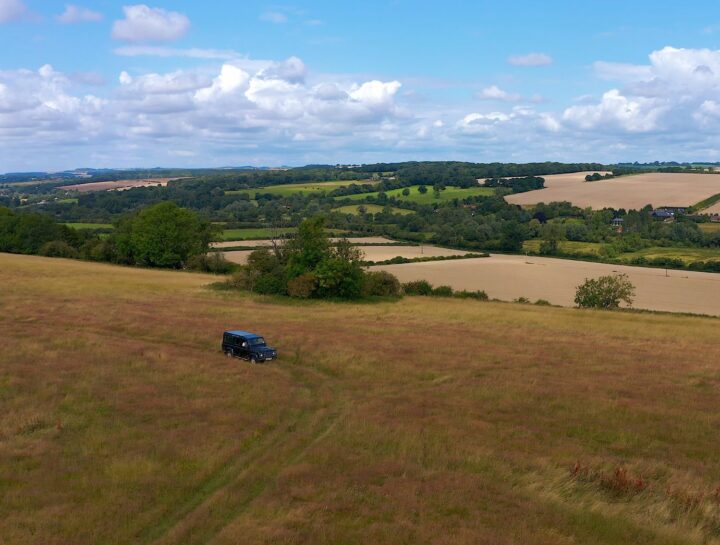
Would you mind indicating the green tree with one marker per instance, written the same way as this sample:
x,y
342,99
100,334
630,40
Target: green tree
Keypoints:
x,y
308,248
606,292
552,234
423,189
165,235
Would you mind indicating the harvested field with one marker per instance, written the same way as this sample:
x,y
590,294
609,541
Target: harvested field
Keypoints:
x,y
372,253
123,423
118,185
268,242
629,192
508,277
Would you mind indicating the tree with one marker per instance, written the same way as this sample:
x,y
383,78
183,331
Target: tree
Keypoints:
x,y
605,292
165,235
552,234
308,248
423,189
406,192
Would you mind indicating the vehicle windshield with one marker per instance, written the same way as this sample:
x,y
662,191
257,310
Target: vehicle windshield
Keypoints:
x,y
257,341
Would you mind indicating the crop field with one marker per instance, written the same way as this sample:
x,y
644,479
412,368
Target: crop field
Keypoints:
x,y
415,196
354,209
255,233
629,192
118,185
259,243
450,422
508,277
371,253
287,190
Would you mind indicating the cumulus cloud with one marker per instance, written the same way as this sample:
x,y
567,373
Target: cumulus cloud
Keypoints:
x,y
531,59
11,10
146,24
495,93
78,14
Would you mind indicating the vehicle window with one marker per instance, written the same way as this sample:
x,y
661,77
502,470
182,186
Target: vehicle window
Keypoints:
x,y
257,341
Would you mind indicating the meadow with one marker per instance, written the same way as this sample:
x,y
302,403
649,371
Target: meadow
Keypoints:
x,y
287,190
448,194
628,192
455,422
89,226
354,209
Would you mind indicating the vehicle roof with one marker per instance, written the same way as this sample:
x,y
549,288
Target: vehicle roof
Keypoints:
x,y
239,333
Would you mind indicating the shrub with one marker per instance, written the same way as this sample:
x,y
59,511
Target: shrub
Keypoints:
x,y
418,287
478,295
58,248
606,292
542,303
302,286
380,283
213,262
522,300
337,277
442,291
98,250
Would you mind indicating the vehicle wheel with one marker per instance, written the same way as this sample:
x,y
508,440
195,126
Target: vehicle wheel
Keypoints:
x,y
229,354
254,361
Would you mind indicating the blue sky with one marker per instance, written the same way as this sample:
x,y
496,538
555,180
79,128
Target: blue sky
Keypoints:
x,y
118,84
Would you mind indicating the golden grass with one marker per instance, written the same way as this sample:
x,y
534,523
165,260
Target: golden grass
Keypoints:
x,y
423,421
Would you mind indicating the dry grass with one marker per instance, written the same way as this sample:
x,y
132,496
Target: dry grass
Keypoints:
x,y
423,421
629,192
118,185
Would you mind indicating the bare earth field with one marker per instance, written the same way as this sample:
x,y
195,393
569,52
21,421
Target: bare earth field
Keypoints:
x,y
372,253
268,242
117,185
423,421
508,277
629,192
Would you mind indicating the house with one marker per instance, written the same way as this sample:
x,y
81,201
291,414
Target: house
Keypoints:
x,y
618,222
715,218
664,214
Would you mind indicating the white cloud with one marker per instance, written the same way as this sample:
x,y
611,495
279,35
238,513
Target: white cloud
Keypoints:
x,y
146,24
78,14
531,59
275,17
495,93
11,10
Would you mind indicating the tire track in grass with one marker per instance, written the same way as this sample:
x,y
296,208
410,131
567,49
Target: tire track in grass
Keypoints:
x,y
231,489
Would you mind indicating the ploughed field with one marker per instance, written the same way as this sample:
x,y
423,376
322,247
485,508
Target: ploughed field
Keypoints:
x,y
629,192
509,277
437,421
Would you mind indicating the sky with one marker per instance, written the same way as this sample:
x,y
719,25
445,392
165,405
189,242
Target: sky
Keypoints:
x,y
102,83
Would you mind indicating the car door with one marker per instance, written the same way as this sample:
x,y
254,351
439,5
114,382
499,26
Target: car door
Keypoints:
x,y
242,348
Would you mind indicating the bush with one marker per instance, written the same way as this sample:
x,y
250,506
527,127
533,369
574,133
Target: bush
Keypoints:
x,y
58,248
212,262
418,287
542,303
478,295
522,300
606,292
302,286
380,283
98,250
337,277
442,291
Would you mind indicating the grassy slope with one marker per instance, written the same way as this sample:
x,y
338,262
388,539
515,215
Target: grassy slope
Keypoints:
x,y
415,196
370,209
89,226
459,423
286,190
686,254
264,232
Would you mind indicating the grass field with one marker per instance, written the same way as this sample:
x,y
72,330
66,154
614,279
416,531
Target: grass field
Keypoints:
x,y
415,196
710,227
629,192
685,254
370,209
264,233
89,226
287,190
459,423
566,246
